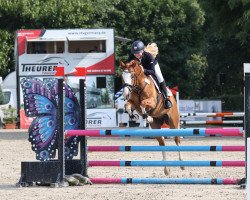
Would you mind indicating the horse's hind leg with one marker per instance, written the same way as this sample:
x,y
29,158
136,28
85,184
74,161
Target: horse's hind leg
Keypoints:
x,y
161,141
178,142
174,124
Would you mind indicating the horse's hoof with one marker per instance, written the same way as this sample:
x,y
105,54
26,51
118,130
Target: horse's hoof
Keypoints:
x,y
167,171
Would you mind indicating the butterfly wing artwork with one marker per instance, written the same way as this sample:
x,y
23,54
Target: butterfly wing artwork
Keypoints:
x,y
40,101
71,122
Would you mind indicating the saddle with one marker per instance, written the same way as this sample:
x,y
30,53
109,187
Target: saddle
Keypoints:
x,y
169,93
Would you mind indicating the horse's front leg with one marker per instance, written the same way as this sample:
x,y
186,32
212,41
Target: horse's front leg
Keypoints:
x,y
129,106
145,117
150,104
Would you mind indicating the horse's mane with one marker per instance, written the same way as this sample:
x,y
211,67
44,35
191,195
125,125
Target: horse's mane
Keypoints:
x,y
152,49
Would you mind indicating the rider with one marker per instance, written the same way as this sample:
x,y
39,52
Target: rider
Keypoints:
x,y
151,67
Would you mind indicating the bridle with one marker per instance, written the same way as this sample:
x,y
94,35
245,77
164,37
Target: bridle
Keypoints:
x,y
127,85
130,87
134,86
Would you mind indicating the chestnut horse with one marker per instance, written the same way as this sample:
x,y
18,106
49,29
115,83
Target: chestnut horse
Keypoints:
x,y
142,95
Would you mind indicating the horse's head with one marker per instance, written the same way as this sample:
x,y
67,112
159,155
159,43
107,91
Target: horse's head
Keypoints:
x,y
130,70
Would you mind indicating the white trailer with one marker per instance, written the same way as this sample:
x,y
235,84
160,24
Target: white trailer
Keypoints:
x,y
38,52
8,86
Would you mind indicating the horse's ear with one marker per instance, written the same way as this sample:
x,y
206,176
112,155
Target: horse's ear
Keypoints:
x,y
122,65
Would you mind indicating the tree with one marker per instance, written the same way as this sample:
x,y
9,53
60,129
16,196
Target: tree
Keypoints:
x,y
37,14
227,28
6,52
175,25
105,97
195,69
33,14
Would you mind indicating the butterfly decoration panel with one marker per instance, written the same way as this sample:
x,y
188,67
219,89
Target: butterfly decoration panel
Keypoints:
x,y
41,101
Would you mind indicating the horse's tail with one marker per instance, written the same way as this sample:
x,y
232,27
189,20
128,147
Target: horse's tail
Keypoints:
x,y
152,49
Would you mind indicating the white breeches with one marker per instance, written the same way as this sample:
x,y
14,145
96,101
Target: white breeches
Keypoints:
x,y
158,73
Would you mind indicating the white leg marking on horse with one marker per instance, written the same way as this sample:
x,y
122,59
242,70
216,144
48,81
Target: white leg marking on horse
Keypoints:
x,y
126,93
150,119
166,169
144,120
180,157
128,109
164,157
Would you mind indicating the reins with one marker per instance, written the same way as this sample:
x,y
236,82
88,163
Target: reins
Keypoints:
x,y
135,85
136,88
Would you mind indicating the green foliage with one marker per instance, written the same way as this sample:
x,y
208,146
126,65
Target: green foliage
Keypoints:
x,y
6,52
197,39
38,14
232,103
31,14
9,115
105,97
195,68
110,84
176,27
227,32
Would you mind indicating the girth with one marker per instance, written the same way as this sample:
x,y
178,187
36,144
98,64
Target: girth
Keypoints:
x,y
158,100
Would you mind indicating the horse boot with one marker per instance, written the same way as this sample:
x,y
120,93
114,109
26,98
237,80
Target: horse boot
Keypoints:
x,y
167,103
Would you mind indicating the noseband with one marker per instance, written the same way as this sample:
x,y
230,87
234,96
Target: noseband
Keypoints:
x,y
130,87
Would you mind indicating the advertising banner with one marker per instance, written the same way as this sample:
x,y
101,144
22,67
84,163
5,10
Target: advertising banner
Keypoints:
x,y
101,118
41,51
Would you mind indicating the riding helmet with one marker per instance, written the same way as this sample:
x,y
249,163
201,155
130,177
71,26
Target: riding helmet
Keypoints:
x,y
137,47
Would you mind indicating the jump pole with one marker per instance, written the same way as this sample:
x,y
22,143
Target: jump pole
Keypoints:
x,y
158,163
218,114
213,181
157,132
211,122
164,148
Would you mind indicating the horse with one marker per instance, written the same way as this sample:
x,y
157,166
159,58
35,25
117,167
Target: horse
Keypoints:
x,y
142,95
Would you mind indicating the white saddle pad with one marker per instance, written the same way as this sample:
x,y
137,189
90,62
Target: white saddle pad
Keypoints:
x,y
169,93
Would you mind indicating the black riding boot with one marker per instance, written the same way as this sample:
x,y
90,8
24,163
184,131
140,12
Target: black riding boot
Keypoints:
x,y
167,103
